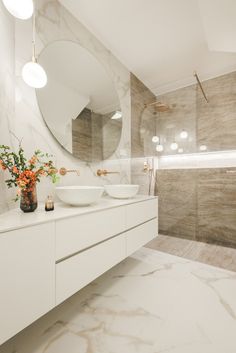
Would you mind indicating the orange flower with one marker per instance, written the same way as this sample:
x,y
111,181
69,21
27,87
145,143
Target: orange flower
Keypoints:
x,y
15,170
2,165
33,160
27,180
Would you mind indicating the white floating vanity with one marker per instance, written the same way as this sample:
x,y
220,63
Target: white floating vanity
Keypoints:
x,y
47,257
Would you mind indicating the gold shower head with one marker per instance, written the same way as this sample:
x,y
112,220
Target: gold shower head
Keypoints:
x,y
159,106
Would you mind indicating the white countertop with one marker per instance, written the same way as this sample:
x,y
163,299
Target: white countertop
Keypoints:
x,y
16,219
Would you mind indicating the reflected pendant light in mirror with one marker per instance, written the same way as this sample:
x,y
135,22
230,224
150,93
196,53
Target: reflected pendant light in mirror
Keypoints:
x,y
34,74
22,9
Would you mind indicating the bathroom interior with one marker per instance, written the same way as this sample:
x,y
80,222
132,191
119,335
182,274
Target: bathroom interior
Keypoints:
x,y
117,176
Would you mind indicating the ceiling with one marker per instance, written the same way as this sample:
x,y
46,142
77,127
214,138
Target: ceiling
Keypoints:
x,y
163,41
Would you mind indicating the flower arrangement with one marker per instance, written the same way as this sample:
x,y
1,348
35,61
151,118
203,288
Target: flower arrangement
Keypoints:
x,y
25,174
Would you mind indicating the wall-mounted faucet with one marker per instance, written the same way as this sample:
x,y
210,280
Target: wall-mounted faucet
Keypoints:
x,y
63,171
147,167
104,172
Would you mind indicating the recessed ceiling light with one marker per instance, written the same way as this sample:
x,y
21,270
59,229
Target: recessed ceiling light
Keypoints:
x,y
117,115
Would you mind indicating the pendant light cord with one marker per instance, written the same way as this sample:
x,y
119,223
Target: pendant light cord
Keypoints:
x,y
33,35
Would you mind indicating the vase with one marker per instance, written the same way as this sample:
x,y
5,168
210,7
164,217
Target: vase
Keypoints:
x,y
28,200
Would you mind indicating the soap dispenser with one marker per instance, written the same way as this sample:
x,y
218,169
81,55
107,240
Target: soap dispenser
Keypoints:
x,y
49,204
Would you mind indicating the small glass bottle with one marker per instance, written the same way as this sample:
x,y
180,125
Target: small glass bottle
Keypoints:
x,y
49,204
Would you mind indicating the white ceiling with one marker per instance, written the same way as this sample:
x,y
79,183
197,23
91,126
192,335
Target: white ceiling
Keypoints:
x,y
161,41
219,23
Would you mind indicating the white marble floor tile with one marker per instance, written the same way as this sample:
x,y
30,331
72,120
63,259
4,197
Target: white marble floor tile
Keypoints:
x,y
152,302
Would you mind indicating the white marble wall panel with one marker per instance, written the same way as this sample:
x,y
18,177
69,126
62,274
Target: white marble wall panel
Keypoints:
x,y
54,22
7,93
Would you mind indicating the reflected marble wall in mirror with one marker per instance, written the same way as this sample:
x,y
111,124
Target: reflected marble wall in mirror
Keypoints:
x,y
79,104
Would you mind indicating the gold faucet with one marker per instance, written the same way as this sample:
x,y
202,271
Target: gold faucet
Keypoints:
x,y
104,172
147,167
64,171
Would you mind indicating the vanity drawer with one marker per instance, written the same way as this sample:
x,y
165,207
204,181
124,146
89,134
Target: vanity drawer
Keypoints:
x,y
77,271
77,233
141,235
141,212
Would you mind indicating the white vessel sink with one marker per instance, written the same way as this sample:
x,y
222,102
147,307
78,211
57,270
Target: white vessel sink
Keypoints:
x,y
79,195
122,191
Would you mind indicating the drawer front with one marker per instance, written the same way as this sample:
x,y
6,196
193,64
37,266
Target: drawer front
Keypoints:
x,y
76,272
141,235
141,212
77,233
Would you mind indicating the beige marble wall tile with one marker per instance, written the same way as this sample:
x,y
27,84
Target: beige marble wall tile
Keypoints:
x,y
216,120
198,204
216,199
176,190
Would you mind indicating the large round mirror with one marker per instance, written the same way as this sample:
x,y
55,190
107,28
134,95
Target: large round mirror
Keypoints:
x,y
79,104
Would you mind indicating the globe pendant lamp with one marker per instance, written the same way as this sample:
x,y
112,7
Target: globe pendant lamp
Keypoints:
x,y
34,74
22,9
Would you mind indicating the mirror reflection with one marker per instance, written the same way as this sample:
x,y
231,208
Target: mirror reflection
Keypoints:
x,y
79,104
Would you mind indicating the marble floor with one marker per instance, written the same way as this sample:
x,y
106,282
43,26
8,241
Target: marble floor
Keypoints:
x,y
210,254
152,302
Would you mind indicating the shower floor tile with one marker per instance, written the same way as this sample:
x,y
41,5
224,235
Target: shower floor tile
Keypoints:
x,y
210,254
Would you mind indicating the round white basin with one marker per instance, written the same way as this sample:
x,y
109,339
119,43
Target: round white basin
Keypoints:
x,y
122,191
79,195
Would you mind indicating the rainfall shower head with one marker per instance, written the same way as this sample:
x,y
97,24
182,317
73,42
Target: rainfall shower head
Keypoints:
x,y
159,106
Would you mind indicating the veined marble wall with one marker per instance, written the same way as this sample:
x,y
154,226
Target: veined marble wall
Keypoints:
x,y
54,22
7,90
198,204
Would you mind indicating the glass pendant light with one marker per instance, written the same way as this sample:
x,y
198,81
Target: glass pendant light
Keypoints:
x,y
159,148
174,146
155,139
22,9
33,74
184,134
203,148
